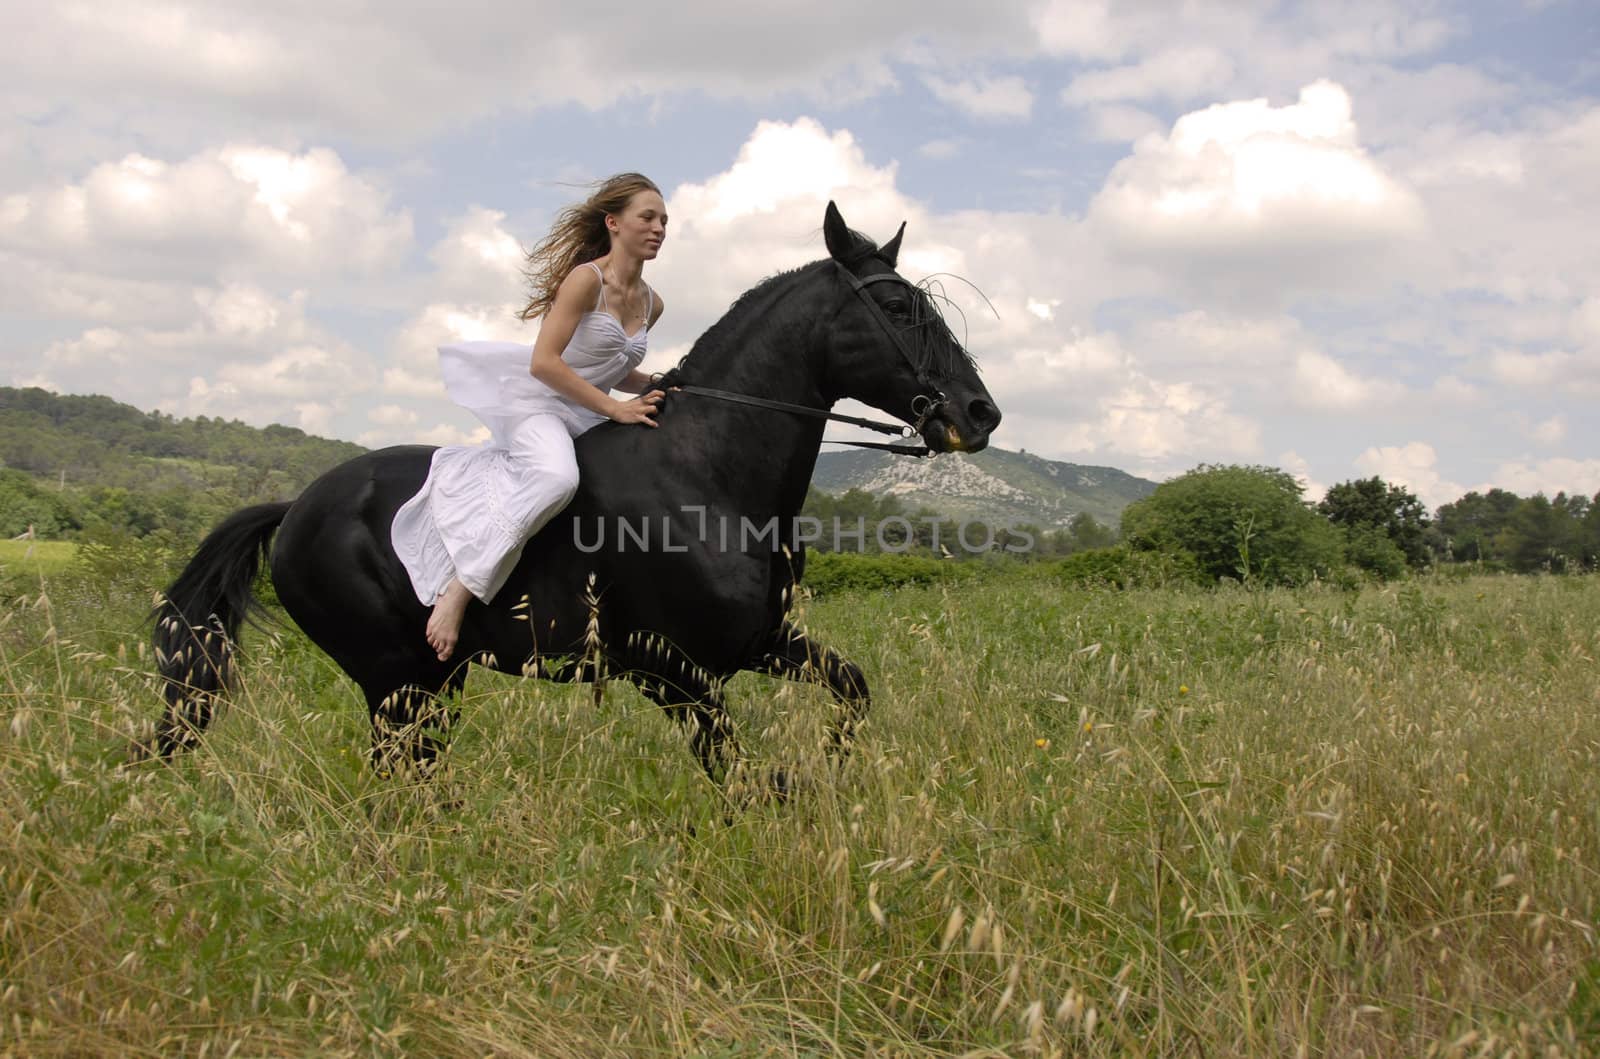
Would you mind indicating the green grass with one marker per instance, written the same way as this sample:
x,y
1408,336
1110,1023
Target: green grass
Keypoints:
x,y
30,559
1078,823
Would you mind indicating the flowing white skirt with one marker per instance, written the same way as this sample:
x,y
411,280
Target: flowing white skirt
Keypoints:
x,y
480,504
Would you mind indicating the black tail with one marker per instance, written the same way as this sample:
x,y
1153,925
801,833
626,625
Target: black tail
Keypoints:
x,y
198,618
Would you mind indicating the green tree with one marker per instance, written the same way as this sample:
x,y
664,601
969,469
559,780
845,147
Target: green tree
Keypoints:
x,y
1589,533
1372,513
26,504
1539,535
1467,529
1243,522
1088,533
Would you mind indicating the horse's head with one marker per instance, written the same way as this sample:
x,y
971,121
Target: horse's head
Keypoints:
x,y
891,348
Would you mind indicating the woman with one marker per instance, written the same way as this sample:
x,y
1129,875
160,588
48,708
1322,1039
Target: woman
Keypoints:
x,y
462,533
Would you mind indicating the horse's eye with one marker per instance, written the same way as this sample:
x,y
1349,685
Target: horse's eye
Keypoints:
x,y
898,306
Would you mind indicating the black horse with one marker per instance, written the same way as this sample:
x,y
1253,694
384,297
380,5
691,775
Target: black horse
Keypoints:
x,y
674,564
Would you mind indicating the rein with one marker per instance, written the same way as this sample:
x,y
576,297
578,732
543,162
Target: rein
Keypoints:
x,y
898,429
922,406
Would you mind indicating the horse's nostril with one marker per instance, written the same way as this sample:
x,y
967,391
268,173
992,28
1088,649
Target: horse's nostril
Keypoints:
x,y
983,414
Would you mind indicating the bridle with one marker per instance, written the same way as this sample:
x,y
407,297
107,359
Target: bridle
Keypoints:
x,y
923,406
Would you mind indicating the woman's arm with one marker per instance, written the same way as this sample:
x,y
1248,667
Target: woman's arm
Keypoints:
x,y
576,293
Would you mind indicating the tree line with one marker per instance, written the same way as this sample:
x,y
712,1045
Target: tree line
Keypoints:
x,y
1251,523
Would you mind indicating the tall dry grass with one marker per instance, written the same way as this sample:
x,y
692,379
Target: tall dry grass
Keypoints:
x,y
1078,823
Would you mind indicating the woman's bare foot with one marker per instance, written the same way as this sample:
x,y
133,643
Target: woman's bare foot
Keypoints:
x,y
444,624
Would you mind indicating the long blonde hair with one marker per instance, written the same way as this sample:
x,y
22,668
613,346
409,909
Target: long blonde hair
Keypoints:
x,y
578,235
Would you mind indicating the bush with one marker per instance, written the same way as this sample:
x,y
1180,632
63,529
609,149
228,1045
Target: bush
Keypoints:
x,y
1247,523
843,571
27,504
114,564
1372,549
1122,567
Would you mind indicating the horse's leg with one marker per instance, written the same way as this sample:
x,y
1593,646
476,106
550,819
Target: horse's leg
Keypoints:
x,y
411,722
697,703
690,696
798,657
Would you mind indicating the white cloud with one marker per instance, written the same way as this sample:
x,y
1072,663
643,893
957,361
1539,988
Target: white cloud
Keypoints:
x,y
1081,358
478,260
1251,201
1585,325
241,210
392,415
1322,382
1551,368
1005,98
1413,465
764,214
940,149
243,353
1450,389
1549,476
449,434
407,68
1117,123
1271,36
1551,431
1503,201
1176,74
1240,349
1297,466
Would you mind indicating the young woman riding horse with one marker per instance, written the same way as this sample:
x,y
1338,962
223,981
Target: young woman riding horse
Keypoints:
x,y
462,533
678,621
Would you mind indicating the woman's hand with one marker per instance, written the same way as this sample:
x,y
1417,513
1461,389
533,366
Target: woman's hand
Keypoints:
x,y
638,410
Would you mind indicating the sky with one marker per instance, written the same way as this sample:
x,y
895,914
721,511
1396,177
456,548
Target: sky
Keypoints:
x,y
1342,238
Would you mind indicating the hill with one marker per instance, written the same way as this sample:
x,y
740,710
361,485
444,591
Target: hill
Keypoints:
x,y
996,485
70,463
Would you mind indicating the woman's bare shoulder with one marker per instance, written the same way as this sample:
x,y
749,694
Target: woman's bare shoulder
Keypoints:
x,y
585,279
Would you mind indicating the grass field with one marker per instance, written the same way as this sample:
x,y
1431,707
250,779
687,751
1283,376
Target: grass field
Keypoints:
x,y
31,559
1078,823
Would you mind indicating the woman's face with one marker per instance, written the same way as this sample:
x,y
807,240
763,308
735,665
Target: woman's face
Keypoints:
x,y
641,227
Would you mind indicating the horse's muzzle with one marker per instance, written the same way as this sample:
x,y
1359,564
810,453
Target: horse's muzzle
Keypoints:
x,y
962,427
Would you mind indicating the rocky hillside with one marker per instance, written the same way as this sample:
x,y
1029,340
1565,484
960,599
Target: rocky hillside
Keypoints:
x,y
994,485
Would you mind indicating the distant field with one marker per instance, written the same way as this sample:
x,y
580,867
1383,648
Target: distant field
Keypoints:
x,y
36,557
1079,823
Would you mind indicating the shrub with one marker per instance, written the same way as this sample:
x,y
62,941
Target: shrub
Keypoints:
x,y
845,571
1122,567
1247,523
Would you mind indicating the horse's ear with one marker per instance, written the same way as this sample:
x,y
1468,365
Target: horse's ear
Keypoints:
x,y
890,251
836,234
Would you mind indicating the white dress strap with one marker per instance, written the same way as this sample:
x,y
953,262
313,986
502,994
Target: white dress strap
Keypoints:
x,y
600,302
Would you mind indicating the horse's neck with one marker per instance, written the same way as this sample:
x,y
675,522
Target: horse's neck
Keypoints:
x,y
768,346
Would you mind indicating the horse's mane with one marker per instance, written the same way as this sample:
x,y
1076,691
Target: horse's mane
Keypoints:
x,y
715,338
929,335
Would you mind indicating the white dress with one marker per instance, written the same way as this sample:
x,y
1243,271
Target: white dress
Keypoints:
x,y
480,504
